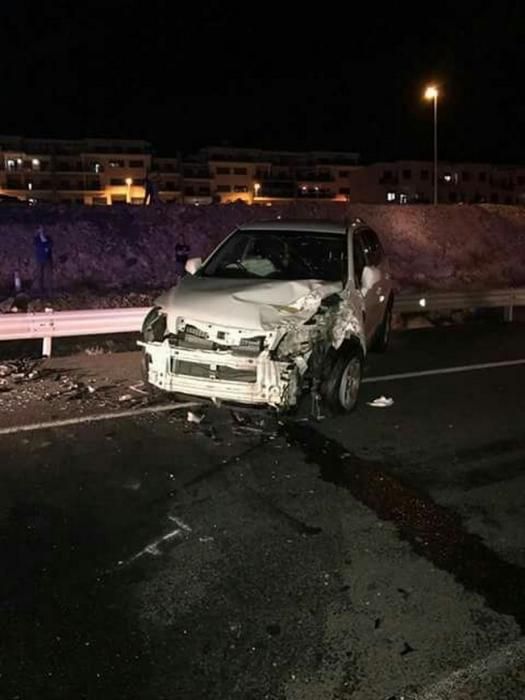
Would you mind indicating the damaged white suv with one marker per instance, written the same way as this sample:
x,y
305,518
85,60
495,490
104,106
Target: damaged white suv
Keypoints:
x,y
278,309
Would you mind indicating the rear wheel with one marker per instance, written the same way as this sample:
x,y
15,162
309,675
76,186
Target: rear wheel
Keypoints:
x,y
341,389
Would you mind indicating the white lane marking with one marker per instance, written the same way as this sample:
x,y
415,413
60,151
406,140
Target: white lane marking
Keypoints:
x,y
96,418
503,660
180,523
444,370
152,547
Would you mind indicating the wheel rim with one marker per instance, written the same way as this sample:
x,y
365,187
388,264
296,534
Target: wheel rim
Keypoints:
x,y
350,382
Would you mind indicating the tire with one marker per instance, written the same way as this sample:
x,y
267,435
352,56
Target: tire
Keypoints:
x,y
341,389
154,326
382,338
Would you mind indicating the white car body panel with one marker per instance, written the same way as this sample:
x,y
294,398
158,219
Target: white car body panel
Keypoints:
x,y
285,319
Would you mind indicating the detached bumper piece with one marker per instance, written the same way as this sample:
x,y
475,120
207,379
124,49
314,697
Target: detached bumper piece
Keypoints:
x,y
222,375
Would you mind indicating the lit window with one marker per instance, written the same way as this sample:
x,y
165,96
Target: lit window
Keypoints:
x,y
10,164
447,177
403,199
97,167
29,185
35,164
390,196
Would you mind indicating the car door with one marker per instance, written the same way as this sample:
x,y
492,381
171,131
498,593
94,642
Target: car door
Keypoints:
x,y
370,277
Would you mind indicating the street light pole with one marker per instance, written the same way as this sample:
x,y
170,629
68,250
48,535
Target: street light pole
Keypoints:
x,y
432,93
436,148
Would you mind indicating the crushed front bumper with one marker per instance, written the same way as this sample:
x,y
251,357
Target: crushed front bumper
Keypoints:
x,y
222,375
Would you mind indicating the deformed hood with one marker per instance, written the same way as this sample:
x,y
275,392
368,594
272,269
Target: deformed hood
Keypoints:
x,y
249,304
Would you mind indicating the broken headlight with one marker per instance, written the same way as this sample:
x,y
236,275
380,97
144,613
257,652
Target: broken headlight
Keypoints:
x,y
290,346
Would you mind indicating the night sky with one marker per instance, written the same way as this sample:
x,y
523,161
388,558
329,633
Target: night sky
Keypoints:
x,y
249,75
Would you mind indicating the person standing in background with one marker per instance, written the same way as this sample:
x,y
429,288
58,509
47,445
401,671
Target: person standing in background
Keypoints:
x,y
182,251
44,260
151,190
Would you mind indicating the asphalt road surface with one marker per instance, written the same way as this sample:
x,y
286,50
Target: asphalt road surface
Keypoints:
x,y
375,556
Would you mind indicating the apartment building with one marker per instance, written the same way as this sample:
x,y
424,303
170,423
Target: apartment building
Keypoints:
x,y
105,172
258,176
412,182
84,171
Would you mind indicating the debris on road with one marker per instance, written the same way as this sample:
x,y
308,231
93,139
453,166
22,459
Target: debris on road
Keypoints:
x,y
125,397
381,402
194,417
95,350
407,649
139,388
23,369
18,372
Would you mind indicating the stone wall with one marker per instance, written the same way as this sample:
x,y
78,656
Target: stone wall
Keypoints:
x,y
115,249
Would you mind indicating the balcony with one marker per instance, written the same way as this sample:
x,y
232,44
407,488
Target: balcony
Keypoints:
x,y
276,177
389,180
276,191
312,176
197,174
15,184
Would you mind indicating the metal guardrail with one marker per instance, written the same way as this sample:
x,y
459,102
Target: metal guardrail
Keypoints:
x,y
506,299
57,324
61,324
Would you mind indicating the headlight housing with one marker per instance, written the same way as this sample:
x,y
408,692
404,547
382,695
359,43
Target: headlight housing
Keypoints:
x,y
290,346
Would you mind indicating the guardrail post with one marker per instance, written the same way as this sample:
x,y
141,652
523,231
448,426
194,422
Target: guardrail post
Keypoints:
x,y
47,344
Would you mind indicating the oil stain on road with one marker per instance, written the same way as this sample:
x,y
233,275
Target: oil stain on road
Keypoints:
x,y
434,532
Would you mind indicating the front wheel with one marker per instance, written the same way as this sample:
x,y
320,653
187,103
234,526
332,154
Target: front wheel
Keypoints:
x,y
341,389
154,325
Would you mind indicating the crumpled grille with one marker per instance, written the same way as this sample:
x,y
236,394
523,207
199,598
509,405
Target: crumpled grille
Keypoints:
x,y
227,374
196,332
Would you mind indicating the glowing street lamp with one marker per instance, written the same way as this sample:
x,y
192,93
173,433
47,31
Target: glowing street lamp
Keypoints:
x,y
129,182
432,93
256,188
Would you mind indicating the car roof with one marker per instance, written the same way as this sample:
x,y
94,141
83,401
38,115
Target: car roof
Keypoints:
x,y
315,226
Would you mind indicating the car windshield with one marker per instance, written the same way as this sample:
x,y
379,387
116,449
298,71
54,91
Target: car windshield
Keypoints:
x,y
282,255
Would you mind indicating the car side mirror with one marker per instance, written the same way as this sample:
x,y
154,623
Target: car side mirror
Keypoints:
x,y
193,265
369,277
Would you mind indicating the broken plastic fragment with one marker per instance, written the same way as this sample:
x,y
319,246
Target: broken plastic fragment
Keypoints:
x,y
381,402
194,417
